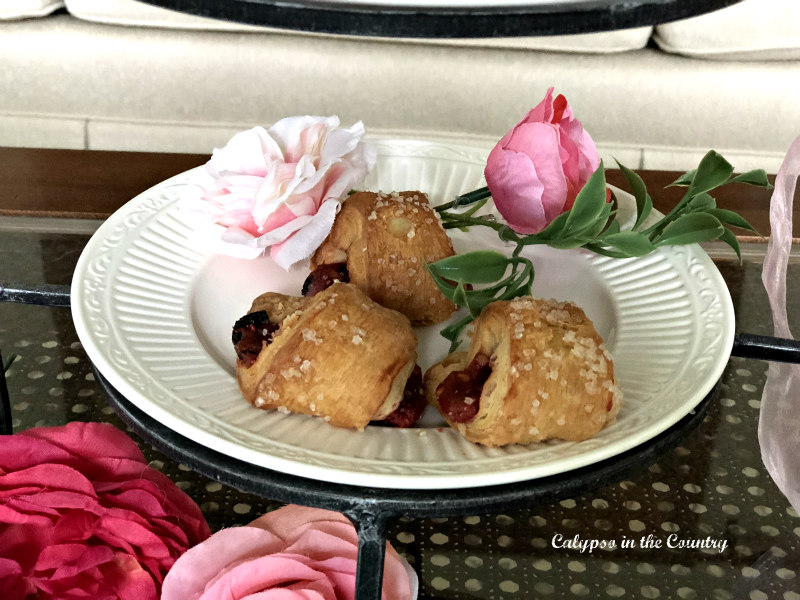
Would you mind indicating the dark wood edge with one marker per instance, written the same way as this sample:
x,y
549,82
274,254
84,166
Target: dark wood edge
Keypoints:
x,y
91,184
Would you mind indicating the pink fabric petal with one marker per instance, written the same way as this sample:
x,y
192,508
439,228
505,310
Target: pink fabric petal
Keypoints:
x,y
516,190
302,591
191,572
541,143
13,586
313,231
266,572
286,213
244,153
779,416
98,575
542,112
103,443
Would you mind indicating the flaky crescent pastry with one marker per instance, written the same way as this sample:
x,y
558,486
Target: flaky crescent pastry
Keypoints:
x,y
549,376
386,239
338,355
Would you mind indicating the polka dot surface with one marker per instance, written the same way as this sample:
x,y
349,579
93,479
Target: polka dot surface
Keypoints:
x,y
701,521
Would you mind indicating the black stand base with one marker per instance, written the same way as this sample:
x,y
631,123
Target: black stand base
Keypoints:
x,y
370,508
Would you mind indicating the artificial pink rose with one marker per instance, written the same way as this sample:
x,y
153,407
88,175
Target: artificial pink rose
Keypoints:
x,y
293,553
537,169
281,188
83,516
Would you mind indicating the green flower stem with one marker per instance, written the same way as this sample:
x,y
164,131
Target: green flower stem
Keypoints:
x,y
465,199
453,332
476,207
453,221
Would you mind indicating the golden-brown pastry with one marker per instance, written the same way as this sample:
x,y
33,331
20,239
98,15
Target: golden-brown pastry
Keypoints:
x,y
337,355
535,370
385,240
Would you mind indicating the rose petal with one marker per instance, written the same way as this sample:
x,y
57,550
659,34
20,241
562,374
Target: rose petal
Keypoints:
x,y
244,153
192,571
13,586
542,144
303,242
272,571
516,190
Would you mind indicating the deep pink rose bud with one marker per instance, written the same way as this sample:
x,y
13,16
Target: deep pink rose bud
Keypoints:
x,y
537,169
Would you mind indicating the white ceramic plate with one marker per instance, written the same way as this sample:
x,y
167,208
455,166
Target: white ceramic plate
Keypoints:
x,y
155,316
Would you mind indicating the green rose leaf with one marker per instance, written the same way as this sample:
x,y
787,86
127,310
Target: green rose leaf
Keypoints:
x,y
712,172
553,231
631,243
691,228
728,217
701,203
684,180
478,266
460,295
644,203
729,238
757,177
589,203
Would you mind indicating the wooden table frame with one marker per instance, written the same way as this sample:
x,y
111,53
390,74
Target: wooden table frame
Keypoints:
x,y
91,184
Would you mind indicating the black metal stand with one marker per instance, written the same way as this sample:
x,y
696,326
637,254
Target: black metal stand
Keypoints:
x,y
414,19
371,508
762,347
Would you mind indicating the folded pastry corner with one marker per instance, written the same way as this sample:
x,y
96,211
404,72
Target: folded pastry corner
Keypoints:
x,y
535,370
381,243
337,355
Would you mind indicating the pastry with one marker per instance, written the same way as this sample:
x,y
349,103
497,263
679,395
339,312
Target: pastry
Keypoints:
x,y
381,243
337,355
535,370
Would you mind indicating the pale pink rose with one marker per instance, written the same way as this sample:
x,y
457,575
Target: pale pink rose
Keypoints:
x,y
83,516
281,188
536,170
293,553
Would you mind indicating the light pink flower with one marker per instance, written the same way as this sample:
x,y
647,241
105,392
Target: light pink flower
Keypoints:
x,y
281,188
536,170
291,553
83,516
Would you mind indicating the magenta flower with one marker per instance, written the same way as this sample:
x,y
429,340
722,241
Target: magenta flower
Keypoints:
x,y
83,516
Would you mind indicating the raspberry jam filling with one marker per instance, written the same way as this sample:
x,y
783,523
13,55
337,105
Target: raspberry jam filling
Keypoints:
x,y
249,334
413,403
460,393
323,277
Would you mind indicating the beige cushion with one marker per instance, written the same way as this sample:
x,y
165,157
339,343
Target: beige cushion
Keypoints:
x,y
189,91
750,30
24,9
140,14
